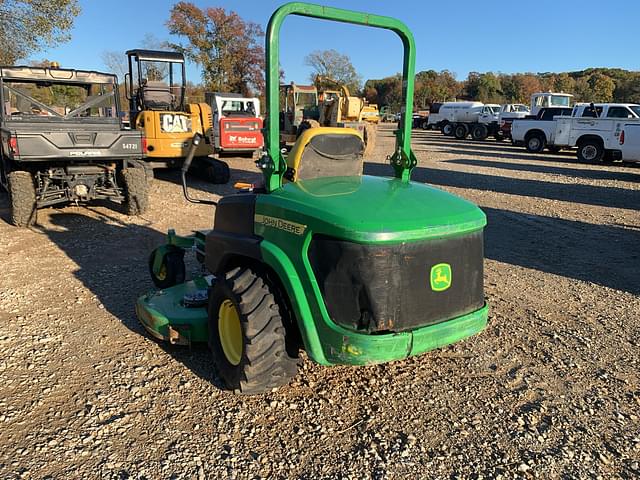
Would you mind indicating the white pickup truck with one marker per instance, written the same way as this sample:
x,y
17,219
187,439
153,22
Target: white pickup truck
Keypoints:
x,y
595,129
629,141
537,133
539,101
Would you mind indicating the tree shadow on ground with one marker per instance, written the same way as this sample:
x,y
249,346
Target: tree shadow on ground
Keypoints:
x,y
623,176
567,192
112,257
606,255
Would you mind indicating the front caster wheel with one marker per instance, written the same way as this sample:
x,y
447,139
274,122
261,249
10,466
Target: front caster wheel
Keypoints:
x,y
172,269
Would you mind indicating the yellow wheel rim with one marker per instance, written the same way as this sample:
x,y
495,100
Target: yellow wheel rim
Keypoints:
x,y
162,274
230,332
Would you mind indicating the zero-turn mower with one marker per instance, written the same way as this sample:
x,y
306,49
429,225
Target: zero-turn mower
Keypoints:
x,y
354,269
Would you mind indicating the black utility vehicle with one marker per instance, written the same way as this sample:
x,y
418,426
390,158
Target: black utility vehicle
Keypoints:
x,y
62,140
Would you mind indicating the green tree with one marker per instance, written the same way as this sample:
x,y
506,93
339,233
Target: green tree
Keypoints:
x,y
484,87
330,64
388,91
226,47
564,83
28,26
602,87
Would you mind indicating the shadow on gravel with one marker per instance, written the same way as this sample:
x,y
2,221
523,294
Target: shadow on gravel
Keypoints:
x,y
623,176
4,207
197,183
528,157
602,254
566,192
111,258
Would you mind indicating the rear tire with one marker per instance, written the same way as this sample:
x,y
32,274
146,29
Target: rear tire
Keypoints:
x,y
216,171
590,151
136,191
460,131
22,196
247,335
535,143
480,132
446,129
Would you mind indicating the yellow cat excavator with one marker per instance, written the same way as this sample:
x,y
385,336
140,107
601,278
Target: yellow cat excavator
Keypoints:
x,y
155,88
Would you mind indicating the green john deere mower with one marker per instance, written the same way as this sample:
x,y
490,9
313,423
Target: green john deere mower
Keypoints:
x,y
352,268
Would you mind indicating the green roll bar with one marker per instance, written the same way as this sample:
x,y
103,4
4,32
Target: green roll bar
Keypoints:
x,y
274,165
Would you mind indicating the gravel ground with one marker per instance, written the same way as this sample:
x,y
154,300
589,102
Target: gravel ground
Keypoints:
x,y
549,390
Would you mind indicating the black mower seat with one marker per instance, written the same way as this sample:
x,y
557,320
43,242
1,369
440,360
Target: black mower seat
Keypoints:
x,y
326,152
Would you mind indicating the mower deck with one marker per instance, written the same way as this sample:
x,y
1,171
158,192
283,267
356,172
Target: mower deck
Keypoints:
x,y
164,314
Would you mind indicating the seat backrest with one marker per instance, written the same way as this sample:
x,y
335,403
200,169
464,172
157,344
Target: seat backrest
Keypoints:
x,y
326,152
157,95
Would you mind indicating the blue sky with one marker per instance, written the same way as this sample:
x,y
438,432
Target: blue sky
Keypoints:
x,y
461,36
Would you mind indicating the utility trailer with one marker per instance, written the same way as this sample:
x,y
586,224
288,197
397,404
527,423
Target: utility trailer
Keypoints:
x,y
61,141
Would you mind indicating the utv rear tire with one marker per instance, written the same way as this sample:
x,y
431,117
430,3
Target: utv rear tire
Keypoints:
x,y
172,269
254,359
369,138
216,171
535,143
22,195
136,191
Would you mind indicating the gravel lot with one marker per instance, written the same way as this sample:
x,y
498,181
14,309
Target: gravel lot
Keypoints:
x,y
549,390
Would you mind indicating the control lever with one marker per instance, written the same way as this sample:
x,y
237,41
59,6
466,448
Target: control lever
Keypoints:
x,y
197,138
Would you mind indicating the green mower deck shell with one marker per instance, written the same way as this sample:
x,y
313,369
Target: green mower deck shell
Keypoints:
x,y
363,210
162,310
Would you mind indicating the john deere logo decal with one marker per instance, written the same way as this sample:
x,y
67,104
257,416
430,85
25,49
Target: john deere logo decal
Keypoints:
x,y
440,277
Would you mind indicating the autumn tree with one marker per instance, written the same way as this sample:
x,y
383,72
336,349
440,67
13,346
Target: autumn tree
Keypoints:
x,y
27,26
226,47
582,91
432,86
330,65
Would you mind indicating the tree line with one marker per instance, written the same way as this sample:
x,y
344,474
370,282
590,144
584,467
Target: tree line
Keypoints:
x,y
590,85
